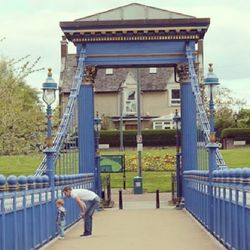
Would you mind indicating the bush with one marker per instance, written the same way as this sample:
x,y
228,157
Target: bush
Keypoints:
x,y
150,138
236,133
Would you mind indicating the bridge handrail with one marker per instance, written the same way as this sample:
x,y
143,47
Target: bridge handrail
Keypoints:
x,y
67,116
225,211
199,104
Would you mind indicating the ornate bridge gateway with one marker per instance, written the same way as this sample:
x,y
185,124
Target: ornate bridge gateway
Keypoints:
x,y
130,36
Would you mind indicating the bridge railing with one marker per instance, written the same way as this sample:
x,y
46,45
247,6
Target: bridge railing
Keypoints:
x,y
65,143
28,209
225,211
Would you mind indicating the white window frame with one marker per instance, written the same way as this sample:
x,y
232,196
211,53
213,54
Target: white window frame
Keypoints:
x,y
109,71
126,101
167,124
152,70
174,101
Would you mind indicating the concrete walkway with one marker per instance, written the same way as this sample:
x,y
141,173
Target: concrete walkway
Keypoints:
x,y
139,226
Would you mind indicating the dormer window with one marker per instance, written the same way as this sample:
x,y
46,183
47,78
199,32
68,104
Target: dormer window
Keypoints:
x,y
130,102
175,97
109,71
152,70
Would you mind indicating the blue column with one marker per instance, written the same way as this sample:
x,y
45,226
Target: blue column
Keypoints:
x,y
212,147
86,136
188,128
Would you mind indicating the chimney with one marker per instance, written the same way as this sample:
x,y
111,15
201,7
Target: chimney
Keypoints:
x,y
64,47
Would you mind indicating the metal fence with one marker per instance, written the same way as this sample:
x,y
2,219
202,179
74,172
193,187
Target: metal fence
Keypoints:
x,y
28,212
223,205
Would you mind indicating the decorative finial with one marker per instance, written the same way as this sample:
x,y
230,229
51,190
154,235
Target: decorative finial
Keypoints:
x,y
210,68
49,71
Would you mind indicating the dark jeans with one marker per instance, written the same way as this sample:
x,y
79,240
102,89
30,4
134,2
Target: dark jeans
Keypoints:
x,y
91,206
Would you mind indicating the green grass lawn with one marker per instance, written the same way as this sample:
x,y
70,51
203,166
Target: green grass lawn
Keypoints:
x,y
237,158
152,180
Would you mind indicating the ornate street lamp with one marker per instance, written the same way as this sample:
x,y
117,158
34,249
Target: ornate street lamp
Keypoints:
x,y
177,120
211,82
235,115
97,127
49,96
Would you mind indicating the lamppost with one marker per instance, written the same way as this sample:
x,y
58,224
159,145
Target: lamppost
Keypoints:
x,y
121,118
235,119
177,120
211,81
138,182
49,96
97,127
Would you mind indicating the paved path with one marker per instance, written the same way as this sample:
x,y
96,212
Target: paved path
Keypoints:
x,y
139,226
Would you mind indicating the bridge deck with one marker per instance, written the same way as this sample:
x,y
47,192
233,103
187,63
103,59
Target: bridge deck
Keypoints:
x,y
139,226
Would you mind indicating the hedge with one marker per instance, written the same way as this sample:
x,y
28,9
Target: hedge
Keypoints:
x,y
236,133
149,137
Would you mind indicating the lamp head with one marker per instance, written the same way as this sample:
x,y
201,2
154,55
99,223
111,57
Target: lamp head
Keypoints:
x,y
49,88
211,78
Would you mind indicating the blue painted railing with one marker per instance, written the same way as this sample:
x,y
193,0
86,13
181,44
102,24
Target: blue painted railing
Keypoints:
x,y
28,210
225,212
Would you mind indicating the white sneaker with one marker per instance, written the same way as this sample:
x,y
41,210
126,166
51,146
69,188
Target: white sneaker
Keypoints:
x,y
61,238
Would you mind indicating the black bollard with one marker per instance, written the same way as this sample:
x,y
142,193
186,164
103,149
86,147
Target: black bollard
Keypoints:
x,y
103,194
120,200
157,199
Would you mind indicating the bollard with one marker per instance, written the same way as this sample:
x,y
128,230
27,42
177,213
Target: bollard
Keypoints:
x,y
157,199
103,194
172,188
120,199
2,183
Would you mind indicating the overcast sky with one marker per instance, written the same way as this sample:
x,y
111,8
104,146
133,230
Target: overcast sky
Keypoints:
x,y
32,27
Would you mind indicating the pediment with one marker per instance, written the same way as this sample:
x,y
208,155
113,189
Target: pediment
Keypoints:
x,y
134,11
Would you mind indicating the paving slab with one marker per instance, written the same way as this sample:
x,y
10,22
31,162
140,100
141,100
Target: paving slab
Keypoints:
x,y
139,226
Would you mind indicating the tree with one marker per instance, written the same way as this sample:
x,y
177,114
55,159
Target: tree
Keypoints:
x,y
225,106
22,119
242,119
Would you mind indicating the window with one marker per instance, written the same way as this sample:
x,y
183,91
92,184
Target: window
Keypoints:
x,y
163,125
175,96
109,71
130,102
152,70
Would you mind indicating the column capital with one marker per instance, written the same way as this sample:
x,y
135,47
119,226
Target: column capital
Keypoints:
x,y
183,72
89,75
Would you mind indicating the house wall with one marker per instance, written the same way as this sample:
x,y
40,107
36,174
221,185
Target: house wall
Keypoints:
x,y
157,104
107,104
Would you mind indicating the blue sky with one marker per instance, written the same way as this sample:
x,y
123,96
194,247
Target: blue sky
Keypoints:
x,y
32,27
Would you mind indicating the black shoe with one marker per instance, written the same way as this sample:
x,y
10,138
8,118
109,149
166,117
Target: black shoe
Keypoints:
x,y
85,234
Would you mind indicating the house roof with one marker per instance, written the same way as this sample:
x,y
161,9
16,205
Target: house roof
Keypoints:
x,y
134,11
112,83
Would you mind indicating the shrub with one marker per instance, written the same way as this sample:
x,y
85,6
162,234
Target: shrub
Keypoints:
x,y
150,138
236,133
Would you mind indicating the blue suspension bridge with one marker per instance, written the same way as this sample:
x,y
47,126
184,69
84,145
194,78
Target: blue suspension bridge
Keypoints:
x,y
218,197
